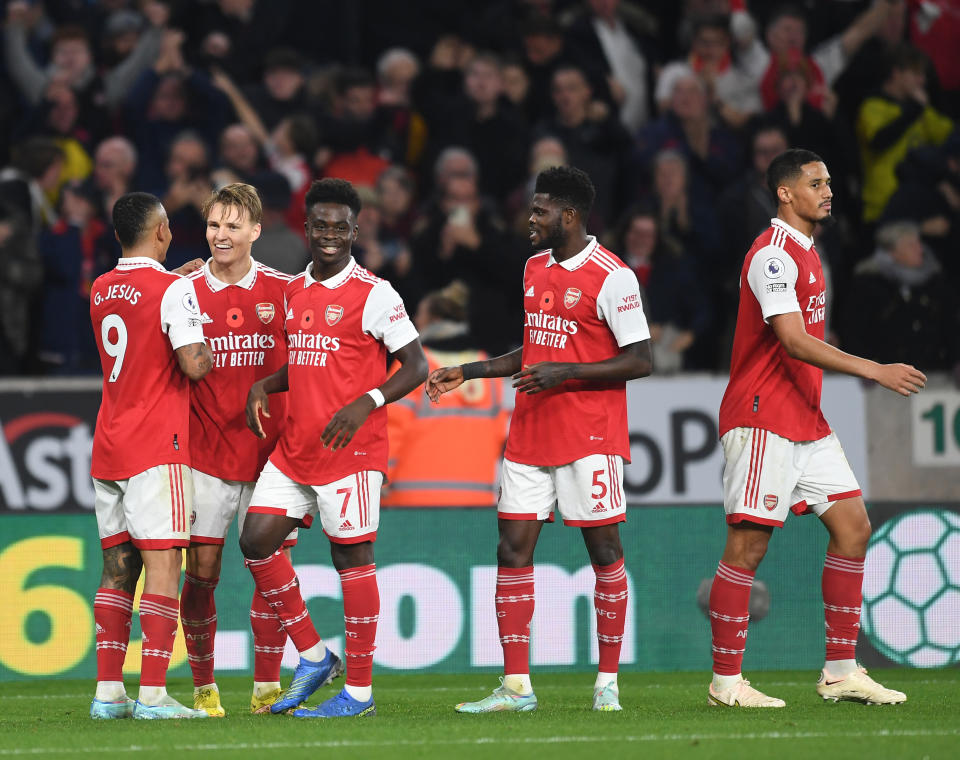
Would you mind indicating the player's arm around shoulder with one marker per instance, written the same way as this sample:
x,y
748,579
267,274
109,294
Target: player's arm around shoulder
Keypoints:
x,y
181,320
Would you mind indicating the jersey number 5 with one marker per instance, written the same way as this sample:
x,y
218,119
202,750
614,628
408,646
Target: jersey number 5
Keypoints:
x,y
117,348
599,484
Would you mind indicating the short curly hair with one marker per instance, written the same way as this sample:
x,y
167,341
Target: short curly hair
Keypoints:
x,y
331,190
568,185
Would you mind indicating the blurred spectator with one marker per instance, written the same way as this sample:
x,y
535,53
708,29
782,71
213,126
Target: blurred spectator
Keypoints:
x,y
891,122
676,303
929,195
166,100
687,219
446,455
712,152
33,173
614,37
21,273
545,152
359,135
114,166
747,206
786,36
935,29
282,91
543,52
803,123
516,86
71,63
278,246
463,237
288,147
383,254
57,116
239,155
899,308
731,87
397,69
395,195
593,137
483,120
188,185
75,251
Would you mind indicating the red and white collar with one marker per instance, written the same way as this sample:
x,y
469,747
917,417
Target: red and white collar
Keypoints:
x,y
799,237
575,261
132,262
331,282
216,285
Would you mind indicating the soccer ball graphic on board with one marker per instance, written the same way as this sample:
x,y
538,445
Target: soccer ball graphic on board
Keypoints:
x,y
911,589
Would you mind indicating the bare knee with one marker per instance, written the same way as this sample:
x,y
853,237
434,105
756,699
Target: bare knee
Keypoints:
x,y
254,547
122,566
203,560
603,544
746,546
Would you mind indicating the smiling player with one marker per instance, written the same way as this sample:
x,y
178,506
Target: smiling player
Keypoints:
x,y
242,304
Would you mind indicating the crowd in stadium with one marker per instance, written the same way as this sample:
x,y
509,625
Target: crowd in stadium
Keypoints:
x,y
442,113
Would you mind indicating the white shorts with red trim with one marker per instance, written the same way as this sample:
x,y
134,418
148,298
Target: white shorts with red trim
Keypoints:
x,y
766,476
216,502
349,508
588,491
151,509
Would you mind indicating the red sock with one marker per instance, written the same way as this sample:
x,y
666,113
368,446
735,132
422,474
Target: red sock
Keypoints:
x,y
514,603
842,586
610,602
729,617
112,612
269,638
361,611
198,616
277,581
159,616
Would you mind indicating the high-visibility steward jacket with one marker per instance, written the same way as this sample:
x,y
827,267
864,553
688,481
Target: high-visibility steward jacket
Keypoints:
x,y
446,454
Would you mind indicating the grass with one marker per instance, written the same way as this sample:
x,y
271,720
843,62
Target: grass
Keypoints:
x,y
664,715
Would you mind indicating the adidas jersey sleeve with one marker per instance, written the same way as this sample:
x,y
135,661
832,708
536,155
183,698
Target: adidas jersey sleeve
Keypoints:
x,y
620,306
772,277
180,315
385,317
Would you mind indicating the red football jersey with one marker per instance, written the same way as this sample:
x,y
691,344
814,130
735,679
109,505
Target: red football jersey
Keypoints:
x,y
584,309
338,333
244,327
768,389
141,313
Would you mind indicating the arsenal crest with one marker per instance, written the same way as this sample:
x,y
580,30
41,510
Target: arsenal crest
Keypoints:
x,y
571,297
266,311
333,314
770,502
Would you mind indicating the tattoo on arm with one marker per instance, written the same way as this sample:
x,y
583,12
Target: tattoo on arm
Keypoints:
x,y
121,568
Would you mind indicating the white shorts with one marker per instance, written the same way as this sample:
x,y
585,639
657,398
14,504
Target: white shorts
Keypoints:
x,y
151,509
766,476
588,491
216,502
349,508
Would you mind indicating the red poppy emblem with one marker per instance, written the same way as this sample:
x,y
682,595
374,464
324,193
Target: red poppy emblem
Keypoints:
x,y
571,297
266,312
546,301
235,317
333,314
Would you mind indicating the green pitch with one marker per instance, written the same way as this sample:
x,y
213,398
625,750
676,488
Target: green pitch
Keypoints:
x,y
664,715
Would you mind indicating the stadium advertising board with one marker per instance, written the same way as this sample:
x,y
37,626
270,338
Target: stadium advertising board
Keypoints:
x,y
48,434
437,572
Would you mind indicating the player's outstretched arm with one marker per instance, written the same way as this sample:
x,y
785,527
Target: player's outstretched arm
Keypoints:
x,y
633,361
799,344
346,422
445,379
258,398
195,360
